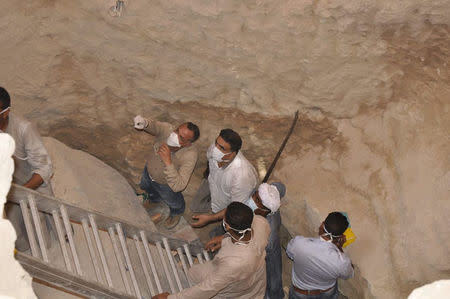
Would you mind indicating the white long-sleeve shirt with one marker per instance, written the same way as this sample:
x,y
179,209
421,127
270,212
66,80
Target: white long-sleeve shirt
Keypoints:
x,y
235,182
30,155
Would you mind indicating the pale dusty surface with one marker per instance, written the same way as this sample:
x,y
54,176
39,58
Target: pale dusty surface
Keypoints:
x,y
370,78
14,282
436,290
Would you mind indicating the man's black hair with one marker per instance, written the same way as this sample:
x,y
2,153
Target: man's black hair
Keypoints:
x,y
232,138
336,223
194,128
239,216
5,100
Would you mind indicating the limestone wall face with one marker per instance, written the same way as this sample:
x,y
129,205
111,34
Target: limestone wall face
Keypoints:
x,y
370,78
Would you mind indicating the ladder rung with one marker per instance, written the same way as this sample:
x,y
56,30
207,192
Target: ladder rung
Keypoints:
x,y
94,260
62,241
172,264
29,228
184,265
144,265
70,237
166,268
188,254
37,224
100,250
150,260
120,261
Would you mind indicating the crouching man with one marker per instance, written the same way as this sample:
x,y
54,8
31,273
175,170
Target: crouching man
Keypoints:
x,y
239,269
170,164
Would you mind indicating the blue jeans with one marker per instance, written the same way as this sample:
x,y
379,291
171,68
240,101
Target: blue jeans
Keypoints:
x,y
274,288
331,294
162,192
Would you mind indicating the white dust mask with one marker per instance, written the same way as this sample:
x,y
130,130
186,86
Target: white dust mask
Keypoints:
x,y
172,140
215,154
241,232
4,110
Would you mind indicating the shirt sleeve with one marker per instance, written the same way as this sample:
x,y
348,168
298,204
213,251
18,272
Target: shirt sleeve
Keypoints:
x,y
37,155
223,276
347,270
290,249
157,128
177,179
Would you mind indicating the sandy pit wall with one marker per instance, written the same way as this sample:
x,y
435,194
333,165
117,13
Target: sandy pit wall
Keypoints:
x,y
370,78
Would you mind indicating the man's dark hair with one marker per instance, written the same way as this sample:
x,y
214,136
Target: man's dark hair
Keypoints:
x,y
239,216
336,223
232,138
5,100
194,128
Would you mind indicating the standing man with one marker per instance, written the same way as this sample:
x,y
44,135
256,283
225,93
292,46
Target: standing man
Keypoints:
x,y
32,166
266,202
231,178
238,271
169,165
319,262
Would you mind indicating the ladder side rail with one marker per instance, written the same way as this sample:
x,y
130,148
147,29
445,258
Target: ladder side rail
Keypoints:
x,y
151,262
62,243
37,225
67,280
144,266
70,237
98,274
120,262
100,250
172,264
29,228
127,259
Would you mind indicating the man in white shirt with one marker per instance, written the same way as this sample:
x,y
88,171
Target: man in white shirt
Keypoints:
x,y
32,167
231,178
319,262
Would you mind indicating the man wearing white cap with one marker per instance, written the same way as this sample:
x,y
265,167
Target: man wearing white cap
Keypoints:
x,y
265,201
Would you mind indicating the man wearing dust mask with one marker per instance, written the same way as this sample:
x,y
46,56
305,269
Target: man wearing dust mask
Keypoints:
x,y
319,262
230,177
239,269
169,166
32,168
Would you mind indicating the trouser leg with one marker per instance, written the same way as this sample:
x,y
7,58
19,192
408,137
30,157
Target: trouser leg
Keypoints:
x,y
201,203
148,186
274,288
174,200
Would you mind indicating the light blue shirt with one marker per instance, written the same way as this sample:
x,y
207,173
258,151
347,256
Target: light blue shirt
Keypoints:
x,y
317,263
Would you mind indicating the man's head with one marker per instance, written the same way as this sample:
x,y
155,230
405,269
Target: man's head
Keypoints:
x,y
5,103
333,228
238,216
187,133
268,196
228,143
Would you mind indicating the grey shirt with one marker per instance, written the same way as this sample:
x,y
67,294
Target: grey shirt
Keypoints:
x,y
317,263
30,155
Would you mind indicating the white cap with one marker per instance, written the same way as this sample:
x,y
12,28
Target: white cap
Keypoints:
x,y
270,197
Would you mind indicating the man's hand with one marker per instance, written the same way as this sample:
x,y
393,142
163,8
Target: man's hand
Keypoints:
x,y
140,123
164,153
34,182
214,244
202,220
161,296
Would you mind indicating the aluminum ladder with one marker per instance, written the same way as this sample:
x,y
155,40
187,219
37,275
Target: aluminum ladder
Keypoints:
x,y
149,262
